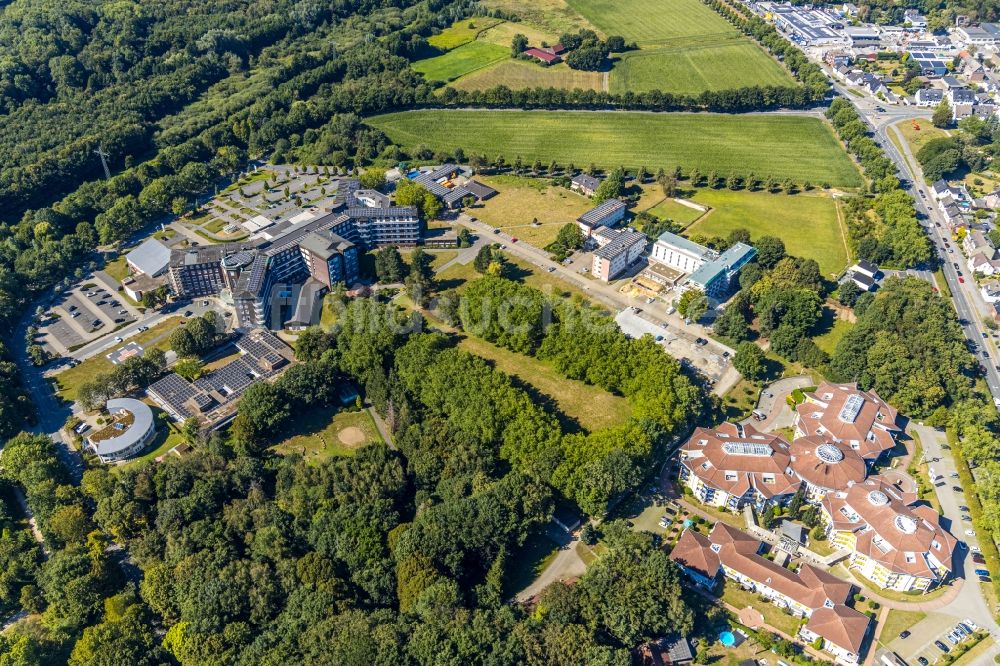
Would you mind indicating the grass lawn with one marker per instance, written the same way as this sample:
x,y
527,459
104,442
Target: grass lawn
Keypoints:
x,y
976,655
679,213
736,596
778,146
898,620
828,341
69,380
917,138
740,400
522,200
216,226
808,224
323,433
519,74
732,63
528,562
591,407
117,269
462,32
168,435
462,60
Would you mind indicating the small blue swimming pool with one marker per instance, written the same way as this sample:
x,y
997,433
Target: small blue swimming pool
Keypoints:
x,y
688,522
413,174
727,638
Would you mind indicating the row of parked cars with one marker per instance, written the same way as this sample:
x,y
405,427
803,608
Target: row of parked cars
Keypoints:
x,y
959,633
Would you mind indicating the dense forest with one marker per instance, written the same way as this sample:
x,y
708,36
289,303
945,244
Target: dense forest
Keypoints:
x,y
388,556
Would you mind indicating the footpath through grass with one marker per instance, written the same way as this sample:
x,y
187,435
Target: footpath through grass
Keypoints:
x,y
795,147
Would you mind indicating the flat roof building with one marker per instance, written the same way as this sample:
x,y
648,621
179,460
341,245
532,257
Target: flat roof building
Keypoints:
x,y
619,250
606,214
715,277
151,258
130,431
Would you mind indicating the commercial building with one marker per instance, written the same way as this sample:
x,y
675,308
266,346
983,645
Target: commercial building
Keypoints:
x,y
844,414
808,26
617,250
680,253
607,214
710,271
893,542
984,34
715,277
129,432
214,397
735,465
808,592
324,247
151,258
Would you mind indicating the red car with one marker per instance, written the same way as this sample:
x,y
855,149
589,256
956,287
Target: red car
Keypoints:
x,y
513,239
961,280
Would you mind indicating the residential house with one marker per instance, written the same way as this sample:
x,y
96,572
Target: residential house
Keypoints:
x,y
865,268
986,264
991,291
992,200
845,414
928,97
975,241
606,214
548,55
951,83
585,184
894,542
836,58
863,274
735,465
808,592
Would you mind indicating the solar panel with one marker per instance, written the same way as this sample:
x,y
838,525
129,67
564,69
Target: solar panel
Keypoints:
x,y
852,407
746,449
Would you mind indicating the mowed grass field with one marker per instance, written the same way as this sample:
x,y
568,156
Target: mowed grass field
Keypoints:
x,y
780,146
522,200
654,22
808,224
460,61
518,74
733,63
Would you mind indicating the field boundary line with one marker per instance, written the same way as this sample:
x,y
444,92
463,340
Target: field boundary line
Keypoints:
x,y
843,229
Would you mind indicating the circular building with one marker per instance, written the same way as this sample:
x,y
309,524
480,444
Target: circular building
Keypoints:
x,y
826,466
130,430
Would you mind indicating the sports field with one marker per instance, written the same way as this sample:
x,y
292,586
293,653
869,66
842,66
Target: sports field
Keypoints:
x,y
462,60
725,65
807,223
518,74
800,148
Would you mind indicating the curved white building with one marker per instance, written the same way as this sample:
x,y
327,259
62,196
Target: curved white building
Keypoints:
x,y
131,430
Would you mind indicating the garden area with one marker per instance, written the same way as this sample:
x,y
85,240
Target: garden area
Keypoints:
x,y
324,433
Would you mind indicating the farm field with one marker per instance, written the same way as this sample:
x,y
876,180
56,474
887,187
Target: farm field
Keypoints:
x,y
808,224
553,16
521,200
462,32
462,60
649,22
519,74
780,146
732,64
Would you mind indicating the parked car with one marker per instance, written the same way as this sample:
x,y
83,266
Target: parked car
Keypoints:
x,y
967,517
904,634
978,558
82,428
982,572
961,279
923,661
550,269
701,342
142,328
75,314
957,489
961,630
952,638
513,239
962,507
188,313
970,624
941,646
118,338
985,579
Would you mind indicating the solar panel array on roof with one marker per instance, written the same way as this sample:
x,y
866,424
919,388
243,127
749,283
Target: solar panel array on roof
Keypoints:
x,y
173,391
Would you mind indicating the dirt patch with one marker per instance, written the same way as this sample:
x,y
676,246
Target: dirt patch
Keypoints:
x,y
351,436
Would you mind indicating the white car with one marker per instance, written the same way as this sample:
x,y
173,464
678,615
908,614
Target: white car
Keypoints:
x,y
970,624
118,338
970,532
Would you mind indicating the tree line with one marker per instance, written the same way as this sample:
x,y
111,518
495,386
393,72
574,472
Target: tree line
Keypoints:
x,y
883,224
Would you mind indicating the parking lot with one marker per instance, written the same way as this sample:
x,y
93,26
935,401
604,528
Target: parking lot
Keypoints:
x,y
920,645
704,357
82,315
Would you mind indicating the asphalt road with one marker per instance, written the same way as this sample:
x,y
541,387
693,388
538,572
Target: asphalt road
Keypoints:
x,y
963,295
